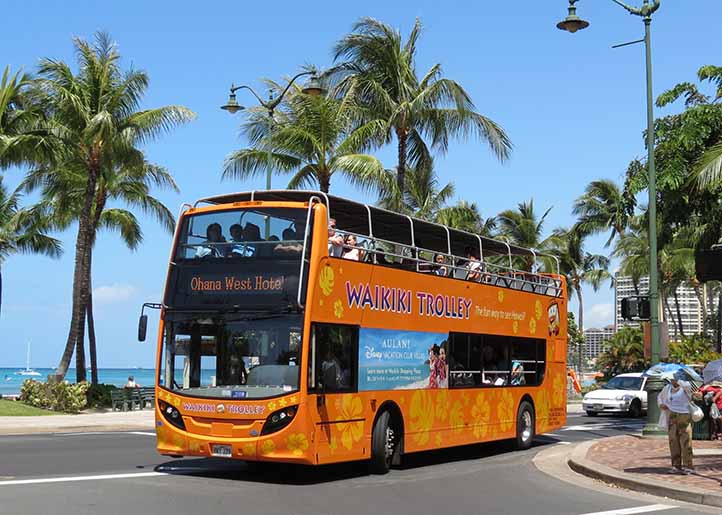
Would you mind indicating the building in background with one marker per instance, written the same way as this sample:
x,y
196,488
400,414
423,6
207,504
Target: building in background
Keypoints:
x,y
687,301
594,342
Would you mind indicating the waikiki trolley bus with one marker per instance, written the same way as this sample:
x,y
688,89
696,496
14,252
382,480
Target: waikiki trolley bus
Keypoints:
x,y
276,344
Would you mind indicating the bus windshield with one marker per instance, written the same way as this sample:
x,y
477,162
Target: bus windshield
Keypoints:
x,y
242,259
252,233
232,357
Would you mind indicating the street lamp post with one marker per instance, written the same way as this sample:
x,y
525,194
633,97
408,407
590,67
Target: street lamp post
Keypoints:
x,y
572,24
312,87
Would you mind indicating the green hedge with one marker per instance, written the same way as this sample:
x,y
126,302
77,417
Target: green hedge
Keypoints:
x,y
98,395
57,396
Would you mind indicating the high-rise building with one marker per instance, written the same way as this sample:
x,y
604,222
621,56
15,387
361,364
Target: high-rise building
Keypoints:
x,y
594,342
686,301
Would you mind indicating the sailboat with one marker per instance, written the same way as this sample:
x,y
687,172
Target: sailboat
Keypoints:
x,y
28,372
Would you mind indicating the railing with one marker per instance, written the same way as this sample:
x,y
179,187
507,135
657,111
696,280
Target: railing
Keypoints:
x,y
412,258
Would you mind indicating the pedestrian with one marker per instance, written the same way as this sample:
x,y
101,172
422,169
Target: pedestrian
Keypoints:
x,y
674,404
131,383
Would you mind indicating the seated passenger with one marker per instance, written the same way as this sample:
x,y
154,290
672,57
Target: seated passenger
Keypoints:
x,y
251,237
289,244
238,247
350,250
441,268
335,240
517,374
214,246
473,266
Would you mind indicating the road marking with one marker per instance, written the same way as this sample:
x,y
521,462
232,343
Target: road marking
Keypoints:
x,y
98,433
79,478
143,433
601,427
563,443
632,511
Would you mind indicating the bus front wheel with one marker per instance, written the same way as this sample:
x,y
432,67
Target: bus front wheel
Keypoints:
x,y
384,444
525,425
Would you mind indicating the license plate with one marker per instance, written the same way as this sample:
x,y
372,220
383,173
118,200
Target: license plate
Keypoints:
x,y
222,451
599,406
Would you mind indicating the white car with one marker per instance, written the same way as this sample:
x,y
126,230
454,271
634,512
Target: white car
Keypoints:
x,y
622,394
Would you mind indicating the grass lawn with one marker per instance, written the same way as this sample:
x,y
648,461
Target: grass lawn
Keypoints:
x,y
20,409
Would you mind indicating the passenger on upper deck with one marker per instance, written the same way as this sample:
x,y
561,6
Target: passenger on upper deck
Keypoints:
x,y
349,249
214,245
473,265
335,241
251,234
238,247
441,269
288,246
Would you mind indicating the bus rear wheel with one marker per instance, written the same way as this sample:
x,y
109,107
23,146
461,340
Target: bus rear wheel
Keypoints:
x,y
525,423
384,444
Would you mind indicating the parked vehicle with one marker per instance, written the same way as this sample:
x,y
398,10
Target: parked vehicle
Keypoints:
x,y
622,394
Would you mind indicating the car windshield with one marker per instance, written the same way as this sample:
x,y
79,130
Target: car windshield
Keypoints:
x,y
624,383
234,356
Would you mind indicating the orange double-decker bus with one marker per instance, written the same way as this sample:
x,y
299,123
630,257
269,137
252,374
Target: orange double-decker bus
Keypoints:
x,y
306,328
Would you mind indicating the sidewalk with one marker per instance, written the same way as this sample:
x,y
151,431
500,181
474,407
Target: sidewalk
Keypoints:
x,y
107,421
644,465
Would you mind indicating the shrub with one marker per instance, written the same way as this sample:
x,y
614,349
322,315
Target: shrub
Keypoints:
x,y
62,396
98,395
693,349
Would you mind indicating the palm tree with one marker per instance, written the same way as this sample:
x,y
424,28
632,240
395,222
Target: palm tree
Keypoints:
x,y
22,139
601,208
63,192
580,268
23,230
623,353
465,216
523,227
95,115
633,250
382,67
313,141
423,198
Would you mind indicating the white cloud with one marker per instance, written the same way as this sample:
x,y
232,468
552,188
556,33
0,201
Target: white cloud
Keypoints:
x,y
599,315
113,293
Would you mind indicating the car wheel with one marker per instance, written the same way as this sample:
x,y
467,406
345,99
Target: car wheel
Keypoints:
x,y
635,409
591,413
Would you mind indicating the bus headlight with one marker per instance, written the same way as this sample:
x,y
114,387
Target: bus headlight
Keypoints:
x,y
279,419
171,414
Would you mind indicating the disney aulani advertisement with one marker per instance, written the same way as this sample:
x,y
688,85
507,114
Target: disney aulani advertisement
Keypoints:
x,y
395,360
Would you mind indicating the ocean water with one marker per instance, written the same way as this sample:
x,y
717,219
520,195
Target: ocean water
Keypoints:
x,y
11,382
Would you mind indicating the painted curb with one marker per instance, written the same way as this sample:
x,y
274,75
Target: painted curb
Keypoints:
x,y
19,431
579,463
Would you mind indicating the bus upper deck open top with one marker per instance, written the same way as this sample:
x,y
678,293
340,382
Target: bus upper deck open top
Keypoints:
x,y
284,337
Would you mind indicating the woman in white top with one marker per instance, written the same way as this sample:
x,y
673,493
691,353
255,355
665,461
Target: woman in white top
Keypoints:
x,y
350,250
674,400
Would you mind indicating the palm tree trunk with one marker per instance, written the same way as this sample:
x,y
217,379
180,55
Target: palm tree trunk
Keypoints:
x,y
324,181
581,327
401,135
679,313
91,334
80,281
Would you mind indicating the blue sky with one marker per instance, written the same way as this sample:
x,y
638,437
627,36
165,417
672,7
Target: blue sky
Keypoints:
x,y
573,107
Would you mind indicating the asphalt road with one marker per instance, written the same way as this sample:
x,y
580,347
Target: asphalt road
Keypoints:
x,y
120,473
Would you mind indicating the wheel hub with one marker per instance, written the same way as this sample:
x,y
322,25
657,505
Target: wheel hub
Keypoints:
x,y
389,444
526,428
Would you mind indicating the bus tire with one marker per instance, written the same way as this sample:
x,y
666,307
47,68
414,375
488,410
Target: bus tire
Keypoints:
x,y
525,423
384,444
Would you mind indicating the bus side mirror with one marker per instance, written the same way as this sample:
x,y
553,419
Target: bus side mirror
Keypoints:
x,y
142,327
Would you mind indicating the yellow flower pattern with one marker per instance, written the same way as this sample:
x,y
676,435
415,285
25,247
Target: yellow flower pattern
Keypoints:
x,y
297,443
249,449
338,309
538,310
456,417
532,326
515,326
505,410
500,296
481,415
326,280
422,416
559,392
271,406
351,408
442,405
267,447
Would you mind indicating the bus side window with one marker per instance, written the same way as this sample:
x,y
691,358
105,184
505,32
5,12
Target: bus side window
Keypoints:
x,y
334,358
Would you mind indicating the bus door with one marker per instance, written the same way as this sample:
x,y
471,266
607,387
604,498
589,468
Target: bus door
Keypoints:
x,y
336,409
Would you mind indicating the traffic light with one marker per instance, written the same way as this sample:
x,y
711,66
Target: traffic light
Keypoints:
x,y
635,308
